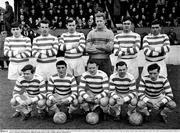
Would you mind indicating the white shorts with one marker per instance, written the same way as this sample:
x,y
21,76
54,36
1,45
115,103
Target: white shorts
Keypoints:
x,y
163,68
75,67
46,69
132,65
155,100
14,69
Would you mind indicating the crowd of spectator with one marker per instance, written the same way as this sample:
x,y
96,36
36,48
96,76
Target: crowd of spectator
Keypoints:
x,y
58,11
144,12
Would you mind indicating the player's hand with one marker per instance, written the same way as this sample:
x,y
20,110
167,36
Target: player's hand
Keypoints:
x,y
75,45
97,100
18,56
89,99
22,103
157,105
21,51
120,101
53,100
151,48
43,51
64,101
43,56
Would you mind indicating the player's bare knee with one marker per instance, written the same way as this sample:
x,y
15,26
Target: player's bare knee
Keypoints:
x,y
41,103
171,104
13,102
75,103
134,102
104,101
80,100
141,104
112,101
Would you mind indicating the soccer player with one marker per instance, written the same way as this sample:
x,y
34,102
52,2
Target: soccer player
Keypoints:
x,y
29,89
73,44
18,49
45,49
126,47
100,44
93,89
62,91
155,92
122,90
156,46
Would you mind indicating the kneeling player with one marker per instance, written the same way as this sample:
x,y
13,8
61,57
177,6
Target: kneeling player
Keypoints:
x,y
62,91
29,89
155,92
122,90
93,89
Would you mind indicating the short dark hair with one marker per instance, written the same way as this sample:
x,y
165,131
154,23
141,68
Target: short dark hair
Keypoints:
x,y
153,67
127,18
100,14
156,21
44,22
61,62
28,67
7,2
70,20
92,61
121,63
15,24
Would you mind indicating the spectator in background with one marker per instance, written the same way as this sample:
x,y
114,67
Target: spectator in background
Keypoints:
x,y
3,58
32,23
8,17
90,21
172,37
21,12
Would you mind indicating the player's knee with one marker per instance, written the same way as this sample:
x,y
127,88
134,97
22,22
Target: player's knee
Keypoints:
x,y
13,102
171,104
80,99
141,104
49,103
41,103
75,102
134,102
104,101
112,101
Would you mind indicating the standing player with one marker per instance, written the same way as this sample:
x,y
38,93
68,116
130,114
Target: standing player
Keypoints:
x,y
156,46
18,49
30,88
62,90
73,43
155,92
126,47
93,88
122,90
45,49
100,44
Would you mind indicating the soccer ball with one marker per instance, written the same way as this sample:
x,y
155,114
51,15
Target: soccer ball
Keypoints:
x,y
92,118
135,119
59,118
104,101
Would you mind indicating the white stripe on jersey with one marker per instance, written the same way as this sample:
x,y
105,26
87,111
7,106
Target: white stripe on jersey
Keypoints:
x,y
17,49
127,45
67,40
97,84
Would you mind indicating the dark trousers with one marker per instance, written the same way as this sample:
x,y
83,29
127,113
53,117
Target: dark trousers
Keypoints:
x,y
105,65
